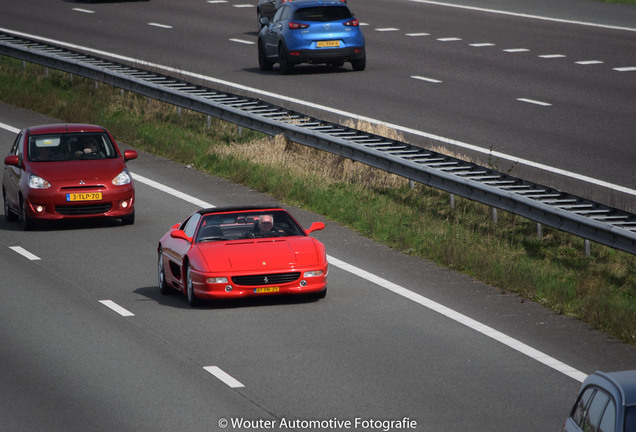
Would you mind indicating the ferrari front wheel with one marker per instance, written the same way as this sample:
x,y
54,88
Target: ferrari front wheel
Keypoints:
x,y
164,288
192,298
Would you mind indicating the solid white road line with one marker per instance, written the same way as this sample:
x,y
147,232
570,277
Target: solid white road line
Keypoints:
x,y
461,144
171,191
115,307
542,18
475,325
84,10
462,319
25,253
9,128
223,376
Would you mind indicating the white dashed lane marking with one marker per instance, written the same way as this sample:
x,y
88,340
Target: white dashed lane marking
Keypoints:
x,y
25,253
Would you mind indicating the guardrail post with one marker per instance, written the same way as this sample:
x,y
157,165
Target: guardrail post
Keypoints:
x,y
539,230
586,243
493,214
452,201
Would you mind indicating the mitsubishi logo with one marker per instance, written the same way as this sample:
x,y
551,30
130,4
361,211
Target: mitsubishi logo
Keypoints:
x,y
82,182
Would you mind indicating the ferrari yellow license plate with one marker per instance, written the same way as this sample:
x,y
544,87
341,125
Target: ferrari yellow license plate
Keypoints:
x,y
93,196
266,290
325,44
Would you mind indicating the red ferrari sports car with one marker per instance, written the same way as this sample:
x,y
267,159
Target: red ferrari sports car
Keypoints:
x,y
67,171
235,252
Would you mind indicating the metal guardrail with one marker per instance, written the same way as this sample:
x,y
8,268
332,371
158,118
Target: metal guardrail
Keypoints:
x,y
573,214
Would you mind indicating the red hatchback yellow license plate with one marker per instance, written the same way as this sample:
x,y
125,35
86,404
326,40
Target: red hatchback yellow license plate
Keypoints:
x,y
93,196
266,290
325,44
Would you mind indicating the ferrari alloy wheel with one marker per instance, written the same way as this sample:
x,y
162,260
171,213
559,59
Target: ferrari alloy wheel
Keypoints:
x,y
8,214
192,299
161,272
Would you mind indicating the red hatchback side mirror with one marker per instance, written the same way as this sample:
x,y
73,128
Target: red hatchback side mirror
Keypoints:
x,y
130,155
12,160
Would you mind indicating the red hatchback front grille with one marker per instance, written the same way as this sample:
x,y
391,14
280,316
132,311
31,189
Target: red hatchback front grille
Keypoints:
x,y
83,209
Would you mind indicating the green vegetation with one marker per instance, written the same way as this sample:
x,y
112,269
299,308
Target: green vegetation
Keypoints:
x,y
552,270
631,2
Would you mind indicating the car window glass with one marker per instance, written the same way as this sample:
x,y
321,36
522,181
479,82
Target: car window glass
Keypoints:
x,y
608,421
323,13
15,149
581,405
246,225
279,14
595,411
191,225
70,146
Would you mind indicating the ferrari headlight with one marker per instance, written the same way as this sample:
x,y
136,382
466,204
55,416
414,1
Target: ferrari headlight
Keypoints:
x,y
217,280
123,178
36,182
314,273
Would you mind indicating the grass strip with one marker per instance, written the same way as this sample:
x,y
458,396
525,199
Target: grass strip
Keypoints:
x,y
552,270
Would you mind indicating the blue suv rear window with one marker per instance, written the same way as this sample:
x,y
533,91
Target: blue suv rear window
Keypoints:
x,y
322,13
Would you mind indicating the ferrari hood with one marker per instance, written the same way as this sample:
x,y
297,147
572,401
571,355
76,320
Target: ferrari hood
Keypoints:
x,y
260,254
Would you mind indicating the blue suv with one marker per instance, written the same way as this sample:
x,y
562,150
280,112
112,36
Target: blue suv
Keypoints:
x,y
311,31
606,403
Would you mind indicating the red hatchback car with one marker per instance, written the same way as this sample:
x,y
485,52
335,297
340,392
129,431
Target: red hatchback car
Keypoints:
x,y
235,252
67,171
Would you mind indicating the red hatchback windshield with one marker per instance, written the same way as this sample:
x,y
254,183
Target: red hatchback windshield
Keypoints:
x,y
70,146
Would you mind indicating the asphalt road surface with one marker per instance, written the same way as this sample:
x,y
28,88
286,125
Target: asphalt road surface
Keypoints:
x,y
551,100
88,343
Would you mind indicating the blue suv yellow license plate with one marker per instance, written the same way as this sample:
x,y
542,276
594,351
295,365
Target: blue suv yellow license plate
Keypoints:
x,y
266,290
93,196
325,44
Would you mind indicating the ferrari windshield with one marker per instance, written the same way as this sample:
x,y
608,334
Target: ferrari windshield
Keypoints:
x,y
70,146
246,225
